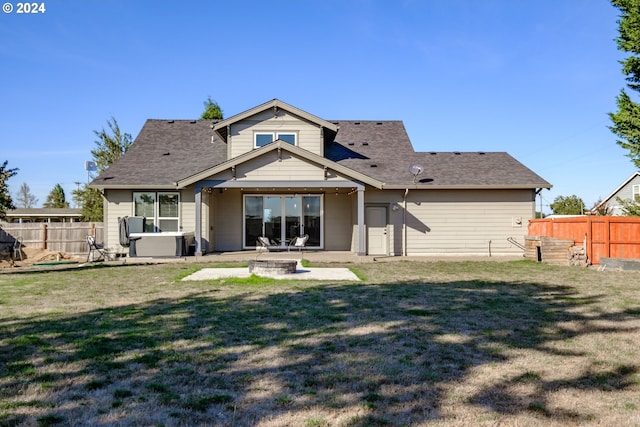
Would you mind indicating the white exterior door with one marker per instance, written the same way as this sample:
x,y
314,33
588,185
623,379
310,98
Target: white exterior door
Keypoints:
x,y
376,220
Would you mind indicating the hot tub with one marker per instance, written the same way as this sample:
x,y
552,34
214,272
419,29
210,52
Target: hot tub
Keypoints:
x,y
164,244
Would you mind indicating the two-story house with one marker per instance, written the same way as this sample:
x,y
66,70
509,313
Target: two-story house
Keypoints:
x,y
278,171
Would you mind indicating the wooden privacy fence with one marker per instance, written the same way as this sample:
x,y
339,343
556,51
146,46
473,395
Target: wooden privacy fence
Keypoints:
x,y
67,237
602,236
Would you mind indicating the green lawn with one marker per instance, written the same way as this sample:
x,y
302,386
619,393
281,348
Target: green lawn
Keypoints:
x,y
414,344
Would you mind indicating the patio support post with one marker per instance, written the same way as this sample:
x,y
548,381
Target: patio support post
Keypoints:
x,y
198,249
361,248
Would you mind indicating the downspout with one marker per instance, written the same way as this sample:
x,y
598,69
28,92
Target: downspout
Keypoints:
x,y
538,192
404,223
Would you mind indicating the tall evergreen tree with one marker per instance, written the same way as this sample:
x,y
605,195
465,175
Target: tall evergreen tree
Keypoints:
x,y
212,110
626,121
6,202
24,198
56,198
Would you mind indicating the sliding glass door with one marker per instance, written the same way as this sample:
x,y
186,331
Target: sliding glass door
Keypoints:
x,y
282,218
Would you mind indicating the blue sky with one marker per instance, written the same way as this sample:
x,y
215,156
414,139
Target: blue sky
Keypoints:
x,y
534,78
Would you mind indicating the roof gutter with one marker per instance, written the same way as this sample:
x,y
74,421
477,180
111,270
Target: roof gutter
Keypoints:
x,y
463,187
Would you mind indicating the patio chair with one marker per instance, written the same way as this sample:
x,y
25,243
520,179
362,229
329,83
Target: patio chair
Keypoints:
x,y
95,249
266,243
17,248
298,242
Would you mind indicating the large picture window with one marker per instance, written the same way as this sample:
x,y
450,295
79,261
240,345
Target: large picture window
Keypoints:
x,y
263,138
160,209
282,218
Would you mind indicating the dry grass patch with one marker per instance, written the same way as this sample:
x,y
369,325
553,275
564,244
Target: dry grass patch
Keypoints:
x,y
416,344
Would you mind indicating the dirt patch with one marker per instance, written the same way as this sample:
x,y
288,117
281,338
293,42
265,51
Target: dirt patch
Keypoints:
x,y
31,256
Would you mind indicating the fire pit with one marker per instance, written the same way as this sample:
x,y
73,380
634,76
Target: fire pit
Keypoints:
x,y
272,266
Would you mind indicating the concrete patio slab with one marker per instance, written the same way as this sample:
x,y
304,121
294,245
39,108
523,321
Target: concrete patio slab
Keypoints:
x,y
301,273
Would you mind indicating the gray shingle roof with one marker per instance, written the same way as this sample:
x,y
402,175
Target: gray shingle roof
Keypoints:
x,y
166,151
163,152
382,150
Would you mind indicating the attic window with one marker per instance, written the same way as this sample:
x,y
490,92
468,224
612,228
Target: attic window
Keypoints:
x,y
263,138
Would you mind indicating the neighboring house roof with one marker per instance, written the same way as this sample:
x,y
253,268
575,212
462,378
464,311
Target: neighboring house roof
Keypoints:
x,y
168,153
44,213
620,187
611,197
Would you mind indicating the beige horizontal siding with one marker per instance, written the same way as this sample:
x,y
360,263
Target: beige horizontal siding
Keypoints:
x,y
242,140
120,204
337,222
479,223
270,168
454,221
228,220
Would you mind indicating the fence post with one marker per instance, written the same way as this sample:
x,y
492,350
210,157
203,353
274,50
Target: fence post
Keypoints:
x,y
44,235
607,237
589,238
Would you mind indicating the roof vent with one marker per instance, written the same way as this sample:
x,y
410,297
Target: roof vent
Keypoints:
x,y
482,153
170,121
166,153
365,143
192,121
374,165
356,123
433,153
457,153
378,123
351,143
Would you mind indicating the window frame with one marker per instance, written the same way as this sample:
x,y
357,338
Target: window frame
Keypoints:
x,y
275,135
635,192
282,196
156,219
